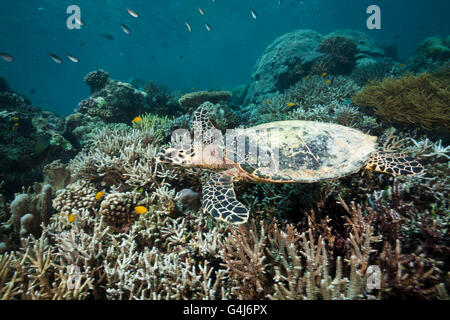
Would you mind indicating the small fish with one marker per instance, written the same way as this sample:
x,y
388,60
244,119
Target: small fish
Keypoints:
x,y
291,104
55,58
133,13
15,126
401,65
188,26
193,88
307,77
14,118
208,27
99,195
73,58
136,119
6,57
140,190
125,29
107,36
140,210
71,217
328,82
267,101
254,14
324,74
201,11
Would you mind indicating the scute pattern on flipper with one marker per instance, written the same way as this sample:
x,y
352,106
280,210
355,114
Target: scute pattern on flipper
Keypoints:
x,y
220,200
203,125
394,164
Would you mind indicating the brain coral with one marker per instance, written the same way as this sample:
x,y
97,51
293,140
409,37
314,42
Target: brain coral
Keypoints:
x,y
420,100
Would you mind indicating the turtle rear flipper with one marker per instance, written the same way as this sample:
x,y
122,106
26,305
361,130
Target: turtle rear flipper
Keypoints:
x,y
220,200
395,164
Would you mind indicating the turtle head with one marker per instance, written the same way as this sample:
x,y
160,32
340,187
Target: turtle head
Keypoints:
x,y
187,155
179,155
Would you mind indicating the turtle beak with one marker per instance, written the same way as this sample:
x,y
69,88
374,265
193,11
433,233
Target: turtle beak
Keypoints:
x,y
161,157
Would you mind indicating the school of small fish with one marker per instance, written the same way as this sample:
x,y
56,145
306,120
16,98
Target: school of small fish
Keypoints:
x,y
9,58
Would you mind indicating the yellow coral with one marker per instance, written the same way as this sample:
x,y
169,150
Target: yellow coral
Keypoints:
x,y
420,100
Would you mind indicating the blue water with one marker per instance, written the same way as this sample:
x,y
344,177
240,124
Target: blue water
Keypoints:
x,y
161,49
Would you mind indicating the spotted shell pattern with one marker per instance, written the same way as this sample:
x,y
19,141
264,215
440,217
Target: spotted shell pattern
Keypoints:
x,y
308,151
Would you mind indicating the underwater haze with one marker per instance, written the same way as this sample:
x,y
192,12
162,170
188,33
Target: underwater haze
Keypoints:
x,y
161,49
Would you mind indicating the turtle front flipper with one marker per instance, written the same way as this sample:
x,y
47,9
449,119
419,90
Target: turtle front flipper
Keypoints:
x,y
203,126
394,164
220,200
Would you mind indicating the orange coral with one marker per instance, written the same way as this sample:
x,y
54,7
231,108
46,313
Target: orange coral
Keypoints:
x,y
421,100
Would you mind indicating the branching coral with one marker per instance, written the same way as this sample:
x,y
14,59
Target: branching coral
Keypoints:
x,y
307,100
378,70
419,100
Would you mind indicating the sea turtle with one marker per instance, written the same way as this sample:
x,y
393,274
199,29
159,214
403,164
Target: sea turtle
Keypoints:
x,y
279,152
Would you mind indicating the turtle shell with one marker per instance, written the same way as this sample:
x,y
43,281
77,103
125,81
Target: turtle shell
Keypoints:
x,y
298,151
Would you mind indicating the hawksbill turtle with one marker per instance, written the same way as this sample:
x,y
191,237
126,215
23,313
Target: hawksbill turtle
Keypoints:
x,y
292,151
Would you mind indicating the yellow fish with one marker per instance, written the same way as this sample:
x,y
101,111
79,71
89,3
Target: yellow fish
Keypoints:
x,y
328,82
99,195
15,126
15,118
140,209
140,190
324,74
71,217
137,120
267,101
401,65
307,77
291,104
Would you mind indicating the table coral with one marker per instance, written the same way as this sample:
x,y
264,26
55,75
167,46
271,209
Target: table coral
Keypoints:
x,y
195,99
419,100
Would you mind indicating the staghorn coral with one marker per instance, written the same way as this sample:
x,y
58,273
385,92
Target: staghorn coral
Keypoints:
x,y
419,100
311,98
278,262
101,265
378,70
117,157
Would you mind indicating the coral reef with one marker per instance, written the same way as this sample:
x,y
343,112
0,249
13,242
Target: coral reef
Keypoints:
x,y
325,248
436,48
342,51
375,71
195,99
96,80
111,100
160,101
419,100
297,54
29,139
309,99
26,213
113,223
